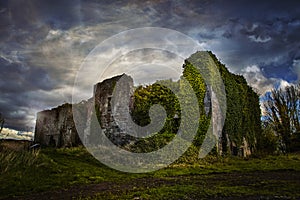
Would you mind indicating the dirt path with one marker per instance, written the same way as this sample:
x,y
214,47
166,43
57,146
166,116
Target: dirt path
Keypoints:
x,y
254,180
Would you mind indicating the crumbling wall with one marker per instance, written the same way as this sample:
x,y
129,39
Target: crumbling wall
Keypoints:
x,y
56,127
114,115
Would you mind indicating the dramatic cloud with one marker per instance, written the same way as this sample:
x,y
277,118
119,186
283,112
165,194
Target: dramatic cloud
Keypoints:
x,y
260,83
43,43
257,80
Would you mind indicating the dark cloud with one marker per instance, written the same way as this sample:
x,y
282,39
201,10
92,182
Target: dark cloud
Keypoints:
x,y
17,77
43,42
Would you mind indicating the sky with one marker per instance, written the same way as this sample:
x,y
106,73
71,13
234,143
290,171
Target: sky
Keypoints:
x,y
44,42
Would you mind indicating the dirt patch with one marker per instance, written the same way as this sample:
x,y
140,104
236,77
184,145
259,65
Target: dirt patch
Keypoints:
x,y
248,179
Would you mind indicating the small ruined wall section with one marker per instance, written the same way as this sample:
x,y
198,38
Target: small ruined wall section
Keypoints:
x,y
56,127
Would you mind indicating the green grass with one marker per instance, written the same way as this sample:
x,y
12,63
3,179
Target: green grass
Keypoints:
x,y
212,164
208,189
23,173
51,169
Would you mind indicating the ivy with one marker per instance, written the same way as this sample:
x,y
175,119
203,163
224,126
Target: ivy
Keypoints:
x,y
242,115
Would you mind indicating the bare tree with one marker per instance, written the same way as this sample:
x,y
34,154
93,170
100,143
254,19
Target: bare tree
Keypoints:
x,y
283,114
1,122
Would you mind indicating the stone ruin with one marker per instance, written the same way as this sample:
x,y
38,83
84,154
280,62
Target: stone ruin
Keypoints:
x,y
56,127
113,116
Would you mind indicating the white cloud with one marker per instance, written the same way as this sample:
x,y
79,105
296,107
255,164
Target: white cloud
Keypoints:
x,y
18,135
253,68
262,84
54,34
259,39
147,66
283,84
257,80
253,27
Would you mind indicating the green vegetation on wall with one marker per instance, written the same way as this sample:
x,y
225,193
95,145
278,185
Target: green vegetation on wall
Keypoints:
x,y
242,116
242,121
144,98
243,110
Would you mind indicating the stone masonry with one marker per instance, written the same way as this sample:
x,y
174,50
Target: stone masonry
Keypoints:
x,y
56,127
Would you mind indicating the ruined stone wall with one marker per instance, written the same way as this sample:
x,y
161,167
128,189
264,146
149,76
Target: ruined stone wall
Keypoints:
x,y
112,102
56,127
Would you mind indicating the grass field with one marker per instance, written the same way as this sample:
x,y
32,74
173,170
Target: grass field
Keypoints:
x,y
74,174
